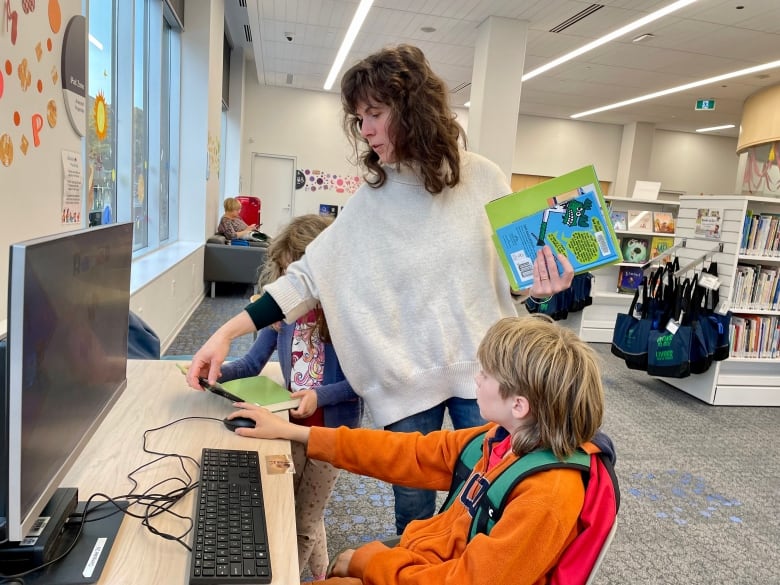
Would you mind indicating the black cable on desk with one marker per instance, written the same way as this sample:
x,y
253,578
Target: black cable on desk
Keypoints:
x,y
155,504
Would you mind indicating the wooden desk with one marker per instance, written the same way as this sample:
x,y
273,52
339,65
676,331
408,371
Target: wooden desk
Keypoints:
x,y
157,394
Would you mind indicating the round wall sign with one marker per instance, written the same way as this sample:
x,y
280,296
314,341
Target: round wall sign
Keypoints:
x,y
74,72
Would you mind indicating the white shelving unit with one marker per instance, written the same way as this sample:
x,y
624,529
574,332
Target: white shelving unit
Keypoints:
x,y
735,381
598,319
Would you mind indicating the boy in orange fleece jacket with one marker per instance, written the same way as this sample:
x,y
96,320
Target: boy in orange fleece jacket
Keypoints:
x,y
540,386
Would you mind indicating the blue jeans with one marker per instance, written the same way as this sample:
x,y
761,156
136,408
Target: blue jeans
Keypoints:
x,y
412,503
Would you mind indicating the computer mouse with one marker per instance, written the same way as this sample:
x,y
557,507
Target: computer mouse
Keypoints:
x,y
239,423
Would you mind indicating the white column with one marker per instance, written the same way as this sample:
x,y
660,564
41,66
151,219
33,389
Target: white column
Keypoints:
x,y
235,119
201,110
634,161
499,57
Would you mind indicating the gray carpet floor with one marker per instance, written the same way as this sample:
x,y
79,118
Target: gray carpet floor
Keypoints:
x,y
700,484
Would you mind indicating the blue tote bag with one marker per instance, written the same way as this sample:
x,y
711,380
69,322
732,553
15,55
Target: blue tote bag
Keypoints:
x,y
629,339
669,347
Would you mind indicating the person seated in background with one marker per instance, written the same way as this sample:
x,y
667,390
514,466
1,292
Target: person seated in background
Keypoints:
x,y
540,388
232,226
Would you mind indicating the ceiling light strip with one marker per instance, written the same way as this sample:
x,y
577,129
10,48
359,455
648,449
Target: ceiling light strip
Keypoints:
x,y
346,44
608,37
714,128
679,88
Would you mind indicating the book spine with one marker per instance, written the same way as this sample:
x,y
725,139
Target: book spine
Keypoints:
x,y
745,232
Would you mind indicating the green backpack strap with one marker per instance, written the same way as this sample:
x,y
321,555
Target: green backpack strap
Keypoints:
x,y
491,505
468,458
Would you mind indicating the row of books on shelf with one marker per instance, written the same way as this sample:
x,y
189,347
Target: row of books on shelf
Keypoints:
x,y
638,249
754,336
637,220
760,234
756,287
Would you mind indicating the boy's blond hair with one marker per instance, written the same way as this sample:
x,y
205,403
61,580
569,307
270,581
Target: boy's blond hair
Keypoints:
x,y
556,371
231,204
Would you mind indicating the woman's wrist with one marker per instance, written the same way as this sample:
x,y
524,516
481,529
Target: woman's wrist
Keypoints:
x,y
538,300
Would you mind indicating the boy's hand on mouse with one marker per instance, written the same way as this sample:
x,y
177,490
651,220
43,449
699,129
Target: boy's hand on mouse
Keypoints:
x,y
268,425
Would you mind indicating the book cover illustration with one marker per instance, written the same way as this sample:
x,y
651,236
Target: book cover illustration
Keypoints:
x,y
619,219
659,245
640,220
636,250
629,278
663,222
568,213
708,223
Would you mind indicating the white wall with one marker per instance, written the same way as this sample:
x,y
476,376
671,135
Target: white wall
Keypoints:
x,y
31,184
550,147
694,163
303,124
681,161
174,292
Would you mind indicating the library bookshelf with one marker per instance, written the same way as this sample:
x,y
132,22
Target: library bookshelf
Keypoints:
x,y
597,322
746,378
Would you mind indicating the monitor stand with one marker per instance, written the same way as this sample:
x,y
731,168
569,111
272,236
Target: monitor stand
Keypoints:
x,y
85,562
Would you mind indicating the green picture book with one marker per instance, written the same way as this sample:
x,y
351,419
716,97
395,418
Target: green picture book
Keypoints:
x,y
260,390
263,391
568,213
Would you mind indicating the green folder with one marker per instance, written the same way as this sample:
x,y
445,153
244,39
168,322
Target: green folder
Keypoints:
x,y
260,390
263,391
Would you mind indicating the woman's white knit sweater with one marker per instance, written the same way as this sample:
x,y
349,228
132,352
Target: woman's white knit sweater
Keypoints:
x,y
409,283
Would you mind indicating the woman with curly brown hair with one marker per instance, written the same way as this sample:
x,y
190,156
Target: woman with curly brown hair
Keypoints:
x,y
407,276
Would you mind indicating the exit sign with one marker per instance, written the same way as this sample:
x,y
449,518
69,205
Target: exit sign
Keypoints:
x,y
705,104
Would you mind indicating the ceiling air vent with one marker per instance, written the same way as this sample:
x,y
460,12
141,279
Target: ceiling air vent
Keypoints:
x,y
458,88
242,3
576,18
248,33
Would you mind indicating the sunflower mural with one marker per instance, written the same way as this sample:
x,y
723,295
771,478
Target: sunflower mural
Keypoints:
x,y
100,116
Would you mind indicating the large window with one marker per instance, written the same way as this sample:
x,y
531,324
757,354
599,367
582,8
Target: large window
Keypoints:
x,y
101,116
140,153
132,140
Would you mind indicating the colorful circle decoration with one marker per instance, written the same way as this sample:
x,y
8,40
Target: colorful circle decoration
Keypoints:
x,y
55,16
100,115
321,181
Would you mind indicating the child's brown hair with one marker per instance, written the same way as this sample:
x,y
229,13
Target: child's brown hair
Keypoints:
x,y
287,247
556,371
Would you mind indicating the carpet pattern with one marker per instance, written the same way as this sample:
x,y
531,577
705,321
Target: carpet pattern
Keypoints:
x,y
700,484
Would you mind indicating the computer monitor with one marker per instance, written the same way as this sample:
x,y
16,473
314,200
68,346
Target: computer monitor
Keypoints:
x,y
66,360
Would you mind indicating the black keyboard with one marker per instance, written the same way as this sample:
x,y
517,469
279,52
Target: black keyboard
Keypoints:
x,y
230,543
